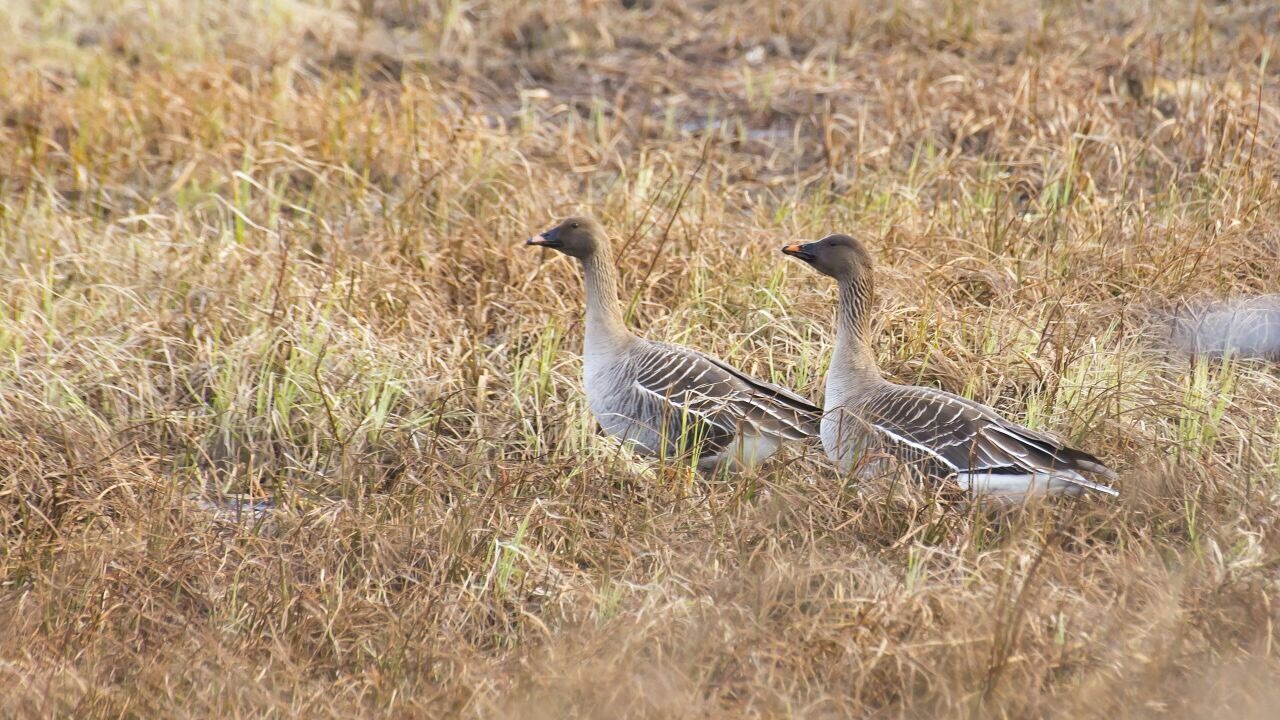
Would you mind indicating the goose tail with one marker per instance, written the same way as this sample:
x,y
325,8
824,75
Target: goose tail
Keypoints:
x,y
1081,481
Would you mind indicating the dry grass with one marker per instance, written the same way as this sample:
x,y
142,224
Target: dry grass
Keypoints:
x,y
271,250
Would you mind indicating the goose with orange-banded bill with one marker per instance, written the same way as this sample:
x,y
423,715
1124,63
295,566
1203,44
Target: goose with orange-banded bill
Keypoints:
x,y
669,400
867,418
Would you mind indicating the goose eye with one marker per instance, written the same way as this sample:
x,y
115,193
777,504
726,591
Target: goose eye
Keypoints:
x,y
574,226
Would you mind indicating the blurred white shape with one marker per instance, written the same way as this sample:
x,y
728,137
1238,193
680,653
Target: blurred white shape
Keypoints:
x,y
237,508
1248,327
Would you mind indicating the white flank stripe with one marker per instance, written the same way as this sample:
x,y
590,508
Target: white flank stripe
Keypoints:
x,y
686,409
916,445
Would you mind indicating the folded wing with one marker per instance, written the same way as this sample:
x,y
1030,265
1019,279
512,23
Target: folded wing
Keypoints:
x,y
695,395
956,436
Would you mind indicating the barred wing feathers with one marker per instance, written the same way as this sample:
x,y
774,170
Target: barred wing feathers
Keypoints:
x,y
963,438
690,384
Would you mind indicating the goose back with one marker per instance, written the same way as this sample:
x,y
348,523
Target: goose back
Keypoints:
x,y
945,435
667,400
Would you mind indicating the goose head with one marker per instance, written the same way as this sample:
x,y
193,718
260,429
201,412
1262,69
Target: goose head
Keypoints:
x,y
838,256
578,237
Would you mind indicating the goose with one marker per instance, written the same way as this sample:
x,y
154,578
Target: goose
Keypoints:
x,y
868,420
1245,328
667,400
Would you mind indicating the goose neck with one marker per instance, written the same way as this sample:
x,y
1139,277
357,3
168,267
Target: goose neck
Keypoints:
x,y
604,310
853,327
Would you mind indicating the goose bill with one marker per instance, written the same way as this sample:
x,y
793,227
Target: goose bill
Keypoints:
x,y
798,251
547,239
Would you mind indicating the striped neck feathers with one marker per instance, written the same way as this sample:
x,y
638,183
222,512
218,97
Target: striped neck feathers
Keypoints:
x,y
853,326
604,310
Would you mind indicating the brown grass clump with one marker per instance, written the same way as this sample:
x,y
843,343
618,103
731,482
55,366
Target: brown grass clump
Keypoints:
x,y
291,426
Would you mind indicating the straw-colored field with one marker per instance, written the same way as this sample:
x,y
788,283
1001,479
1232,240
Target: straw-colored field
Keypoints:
x,y
266,256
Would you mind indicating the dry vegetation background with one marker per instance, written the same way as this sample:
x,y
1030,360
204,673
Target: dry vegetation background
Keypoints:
x,y
268,252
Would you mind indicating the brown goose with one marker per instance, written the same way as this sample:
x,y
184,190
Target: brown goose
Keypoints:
x,y
940,434
668,400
